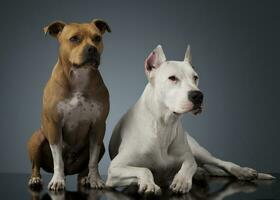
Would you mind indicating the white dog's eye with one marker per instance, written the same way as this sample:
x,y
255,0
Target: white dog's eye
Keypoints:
x,y
195,78
173,78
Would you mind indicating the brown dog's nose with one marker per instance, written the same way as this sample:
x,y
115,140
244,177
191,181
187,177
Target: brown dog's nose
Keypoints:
x,y
91,49
91,55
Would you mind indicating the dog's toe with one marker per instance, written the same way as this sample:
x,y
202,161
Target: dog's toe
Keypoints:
x,y
142,188
35,182
84,181
57,184
244,173
92,182
96,183
149,188
181,184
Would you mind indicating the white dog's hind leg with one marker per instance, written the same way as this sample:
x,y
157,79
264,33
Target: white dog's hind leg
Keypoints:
x,y
204,157
215,171
127,175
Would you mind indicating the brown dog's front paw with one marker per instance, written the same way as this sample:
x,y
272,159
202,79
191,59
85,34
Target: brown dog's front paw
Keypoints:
x,y
96,182
84,181
35,182
57,183
92,182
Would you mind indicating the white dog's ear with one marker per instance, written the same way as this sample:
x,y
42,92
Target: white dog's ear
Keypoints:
x,y
154,61
188,56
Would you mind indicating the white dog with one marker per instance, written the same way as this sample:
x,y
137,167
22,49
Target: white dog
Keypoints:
x,y
149,146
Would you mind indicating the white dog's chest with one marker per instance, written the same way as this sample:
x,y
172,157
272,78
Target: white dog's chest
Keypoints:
x,y
163,160
163,164
159,152
78,110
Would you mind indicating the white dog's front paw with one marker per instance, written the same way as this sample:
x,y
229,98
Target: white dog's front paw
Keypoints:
x,y
181,184
57,183
244,173
148,188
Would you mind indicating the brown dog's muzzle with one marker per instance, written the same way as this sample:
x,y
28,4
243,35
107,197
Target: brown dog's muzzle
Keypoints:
x,y
91,56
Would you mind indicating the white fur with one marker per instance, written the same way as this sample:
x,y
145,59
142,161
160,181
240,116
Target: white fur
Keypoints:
x,y
58,180
149,146
77,109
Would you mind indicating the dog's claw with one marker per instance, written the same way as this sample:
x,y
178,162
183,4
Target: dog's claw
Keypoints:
x,y
98,184
181,184
56,184
83,181
35,182
93,182
244,173
149,188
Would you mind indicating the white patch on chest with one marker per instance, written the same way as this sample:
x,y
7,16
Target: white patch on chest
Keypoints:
x,y
78,109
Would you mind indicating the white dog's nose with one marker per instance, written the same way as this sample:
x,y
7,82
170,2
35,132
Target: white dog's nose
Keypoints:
x,y
196,97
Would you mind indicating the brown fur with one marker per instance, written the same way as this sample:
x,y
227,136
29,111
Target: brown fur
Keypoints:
x,y
59,88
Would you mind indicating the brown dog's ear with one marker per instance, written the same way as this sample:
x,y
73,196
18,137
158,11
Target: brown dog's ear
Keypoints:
x,y
55,28
101,25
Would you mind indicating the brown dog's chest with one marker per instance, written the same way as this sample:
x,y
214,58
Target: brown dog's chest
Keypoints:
x,y
77,114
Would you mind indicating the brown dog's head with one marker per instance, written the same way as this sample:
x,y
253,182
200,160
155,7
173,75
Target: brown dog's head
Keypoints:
x,y
80,44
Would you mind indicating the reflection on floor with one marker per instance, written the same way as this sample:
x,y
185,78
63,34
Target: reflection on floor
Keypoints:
x,y
212,189
14,186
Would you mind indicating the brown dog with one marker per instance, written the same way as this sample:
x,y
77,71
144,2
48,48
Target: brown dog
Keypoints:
x,y
75,108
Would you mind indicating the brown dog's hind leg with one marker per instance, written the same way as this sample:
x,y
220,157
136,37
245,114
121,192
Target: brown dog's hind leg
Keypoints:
x,y
34,150
102,151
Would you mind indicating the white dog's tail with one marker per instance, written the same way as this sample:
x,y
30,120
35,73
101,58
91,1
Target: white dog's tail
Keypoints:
x,y
263,176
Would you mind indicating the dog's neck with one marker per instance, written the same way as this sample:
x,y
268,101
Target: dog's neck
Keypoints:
x,y
60,75
154,107
85,80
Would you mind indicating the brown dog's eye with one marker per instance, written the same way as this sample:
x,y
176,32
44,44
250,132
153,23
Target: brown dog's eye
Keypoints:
x,y
97,39
173,78
75,38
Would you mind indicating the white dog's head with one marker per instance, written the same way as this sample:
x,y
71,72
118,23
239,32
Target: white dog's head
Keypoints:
x,y
175,82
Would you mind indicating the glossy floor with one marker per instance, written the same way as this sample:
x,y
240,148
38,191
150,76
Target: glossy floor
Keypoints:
x,y
14,186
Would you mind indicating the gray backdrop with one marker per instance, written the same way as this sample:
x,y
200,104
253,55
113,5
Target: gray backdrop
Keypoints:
x,y
235,46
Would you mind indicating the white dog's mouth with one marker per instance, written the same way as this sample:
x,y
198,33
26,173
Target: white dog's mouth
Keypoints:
x,y
197,109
